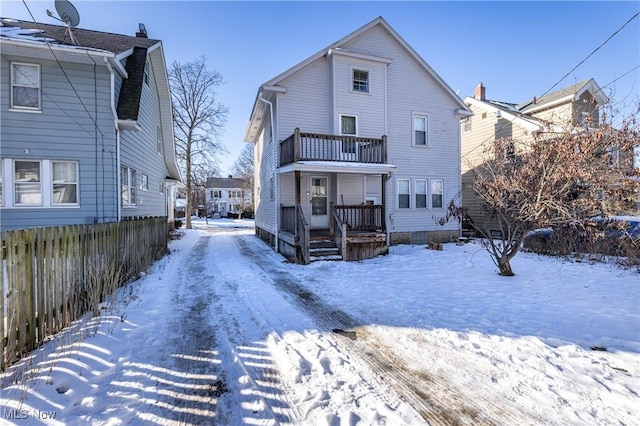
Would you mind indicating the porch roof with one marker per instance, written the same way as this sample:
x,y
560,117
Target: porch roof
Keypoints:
x,y
338,167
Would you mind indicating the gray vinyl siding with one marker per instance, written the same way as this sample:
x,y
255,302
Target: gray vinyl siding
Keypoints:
x,y
350,189
410,90
139,151
368,107
265,169
65,129
307,103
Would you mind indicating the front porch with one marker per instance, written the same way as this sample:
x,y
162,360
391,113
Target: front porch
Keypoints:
x,y
356,232
331,196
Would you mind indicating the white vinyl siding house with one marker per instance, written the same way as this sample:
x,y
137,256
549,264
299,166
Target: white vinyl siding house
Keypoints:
x,y
363,122
227,197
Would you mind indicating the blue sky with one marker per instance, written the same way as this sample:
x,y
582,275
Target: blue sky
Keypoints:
x,y
517,49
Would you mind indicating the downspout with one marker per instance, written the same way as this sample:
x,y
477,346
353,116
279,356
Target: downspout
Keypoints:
x,y
115,123
275,162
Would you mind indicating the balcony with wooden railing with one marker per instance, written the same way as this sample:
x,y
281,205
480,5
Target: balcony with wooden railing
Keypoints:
x,y
336,148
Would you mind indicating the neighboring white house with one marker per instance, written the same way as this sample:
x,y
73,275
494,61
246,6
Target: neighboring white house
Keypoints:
x,y
227,196
359,142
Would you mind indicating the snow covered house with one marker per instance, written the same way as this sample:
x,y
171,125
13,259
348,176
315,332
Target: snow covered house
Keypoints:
x,y
227,196
572,108
356,148
86,123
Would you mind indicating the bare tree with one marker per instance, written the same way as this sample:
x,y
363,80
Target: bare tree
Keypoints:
x,y
198,118
559,181
243,168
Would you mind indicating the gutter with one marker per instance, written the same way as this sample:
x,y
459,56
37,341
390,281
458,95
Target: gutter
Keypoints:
x,y
115,124
276,177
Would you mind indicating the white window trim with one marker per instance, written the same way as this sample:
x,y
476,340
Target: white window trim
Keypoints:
x,y
398,193
413,192
130,185
143,182
77,183
353,68
46,184
340,125
18,108
413,130
426,193
431,181
43,173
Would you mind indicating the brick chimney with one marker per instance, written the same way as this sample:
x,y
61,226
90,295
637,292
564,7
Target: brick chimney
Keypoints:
x,y
480,92
142,31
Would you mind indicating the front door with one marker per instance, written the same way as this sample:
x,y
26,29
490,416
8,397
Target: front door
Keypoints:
x,y
319,193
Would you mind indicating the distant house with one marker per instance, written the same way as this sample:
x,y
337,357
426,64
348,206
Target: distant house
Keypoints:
x,y
574,108
228,196
87,134
357,147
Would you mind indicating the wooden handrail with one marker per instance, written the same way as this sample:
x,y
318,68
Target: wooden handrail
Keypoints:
x,y
322,147
302,235
361,217
339,231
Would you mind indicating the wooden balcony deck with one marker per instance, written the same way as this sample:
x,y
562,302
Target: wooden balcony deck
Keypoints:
x,y
319,147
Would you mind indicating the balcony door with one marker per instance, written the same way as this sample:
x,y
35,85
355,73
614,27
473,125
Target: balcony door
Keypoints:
x,y
319,198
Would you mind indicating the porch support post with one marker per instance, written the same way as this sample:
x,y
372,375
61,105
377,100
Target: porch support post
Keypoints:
x,y
296,144
384,202
297,187
384,150
297,202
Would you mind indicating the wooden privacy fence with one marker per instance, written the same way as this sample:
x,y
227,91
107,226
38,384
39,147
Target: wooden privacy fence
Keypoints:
x,y
52,276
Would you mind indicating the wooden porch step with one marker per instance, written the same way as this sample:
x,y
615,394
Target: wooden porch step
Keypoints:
x,y
323,249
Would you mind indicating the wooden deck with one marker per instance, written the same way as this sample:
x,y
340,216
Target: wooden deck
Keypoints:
x,y
360,244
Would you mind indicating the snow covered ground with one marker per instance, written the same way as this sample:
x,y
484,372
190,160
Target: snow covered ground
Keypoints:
x,y
224,331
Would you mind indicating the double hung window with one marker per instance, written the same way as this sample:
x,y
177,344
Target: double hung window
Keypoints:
x,y
38,183
404,194
420,126
27,180
349,127
25,86
360,81
426,193
65,182
128,178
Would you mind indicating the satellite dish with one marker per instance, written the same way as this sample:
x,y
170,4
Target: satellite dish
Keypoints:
x,y
68,13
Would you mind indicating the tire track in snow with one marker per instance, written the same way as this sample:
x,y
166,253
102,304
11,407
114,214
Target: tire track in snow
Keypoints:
x,y
253,370
428,393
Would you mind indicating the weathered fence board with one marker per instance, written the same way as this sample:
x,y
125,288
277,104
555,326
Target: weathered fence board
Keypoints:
x,y
52,276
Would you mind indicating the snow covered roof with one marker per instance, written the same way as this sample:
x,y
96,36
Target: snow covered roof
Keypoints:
x,y
37,32
563,95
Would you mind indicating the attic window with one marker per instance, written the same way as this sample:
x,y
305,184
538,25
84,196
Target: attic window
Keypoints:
x,y
360,81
